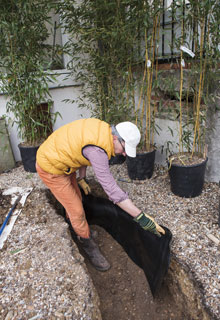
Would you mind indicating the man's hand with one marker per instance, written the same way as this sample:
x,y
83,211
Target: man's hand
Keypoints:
x,y
148,223
84,185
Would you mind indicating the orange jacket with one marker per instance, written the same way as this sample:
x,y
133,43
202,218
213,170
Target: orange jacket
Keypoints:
x,y
62,151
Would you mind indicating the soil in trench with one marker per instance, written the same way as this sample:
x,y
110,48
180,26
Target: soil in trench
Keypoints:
x,y
123,290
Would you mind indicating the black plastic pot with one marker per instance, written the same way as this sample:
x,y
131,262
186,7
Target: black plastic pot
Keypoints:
x,y
118,159
141,167
187,181
28,157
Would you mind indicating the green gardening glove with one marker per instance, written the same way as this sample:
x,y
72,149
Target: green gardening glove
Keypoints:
x,y
149,224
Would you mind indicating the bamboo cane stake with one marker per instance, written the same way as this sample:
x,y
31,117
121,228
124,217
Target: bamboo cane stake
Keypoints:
x,y
196,129
187,112
181,90
151,81
149,86
143,79
205,66
196,32
156,73
127,85
145,103
133,91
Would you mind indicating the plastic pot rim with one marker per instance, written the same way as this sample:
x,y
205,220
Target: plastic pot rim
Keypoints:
x,y
22,145
187,166
141,153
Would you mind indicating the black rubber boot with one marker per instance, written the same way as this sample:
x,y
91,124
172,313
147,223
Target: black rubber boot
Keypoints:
x,y
94,254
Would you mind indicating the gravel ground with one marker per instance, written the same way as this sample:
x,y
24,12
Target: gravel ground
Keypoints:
x,y
193,223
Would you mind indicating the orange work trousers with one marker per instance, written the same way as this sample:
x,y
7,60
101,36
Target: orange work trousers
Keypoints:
x,y
66,191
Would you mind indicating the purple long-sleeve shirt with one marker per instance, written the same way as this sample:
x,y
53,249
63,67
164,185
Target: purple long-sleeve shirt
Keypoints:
x,y
99,161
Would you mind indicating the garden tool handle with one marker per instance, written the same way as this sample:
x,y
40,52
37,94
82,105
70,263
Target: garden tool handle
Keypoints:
x,y
9,214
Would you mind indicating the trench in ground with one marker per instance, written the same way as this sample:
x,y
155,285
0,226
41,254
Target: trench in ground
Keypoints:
x,y
124,292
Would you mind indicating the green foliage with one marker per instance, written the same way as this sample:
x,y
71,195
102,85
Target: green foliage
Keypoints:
x,y
108,51
103,52
23,60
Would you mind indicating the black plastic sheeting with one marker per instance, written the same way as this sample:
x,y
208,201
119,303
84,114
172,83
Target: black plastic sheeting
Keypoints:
x,y
150,252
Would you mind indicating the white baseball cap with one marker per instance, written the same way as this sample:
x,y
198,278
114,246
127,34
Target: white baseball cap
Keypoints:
x,y
131,135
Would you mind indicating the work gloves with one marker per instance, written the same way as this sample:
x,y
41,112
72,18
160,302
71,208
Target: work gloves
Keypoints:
x,y
148,223
84,185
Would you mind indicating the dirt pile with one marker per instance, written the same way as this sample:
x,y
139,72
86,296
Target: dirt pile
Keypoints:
x,y
43,276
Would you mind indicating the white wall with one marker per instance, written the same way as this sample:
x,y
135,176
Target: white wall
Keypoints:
x,y
69,111
164,135
213,164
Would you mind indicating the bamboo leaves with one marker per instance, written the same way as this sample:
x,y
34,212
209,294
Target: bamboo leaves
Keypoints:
x,y
23,60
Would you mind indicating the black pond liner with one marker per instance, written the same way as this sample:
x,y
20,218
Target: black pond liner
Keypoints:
x,y
187,181
141,167
28,157
118,159
150,252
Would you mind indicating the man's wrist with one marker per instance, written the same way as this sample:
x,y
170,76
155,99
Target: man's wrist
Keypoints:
x,y
80,178
140,217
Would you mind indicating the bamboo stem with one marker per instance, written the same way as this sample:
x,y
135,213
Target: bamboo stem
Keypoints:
x,y
197,127
181,91
142,86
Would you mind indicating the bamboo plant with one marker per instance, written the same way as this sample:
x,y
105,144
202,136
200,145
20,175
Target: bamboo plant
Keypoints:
x,y
197,19
114,50
23,63
102,53
107,57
